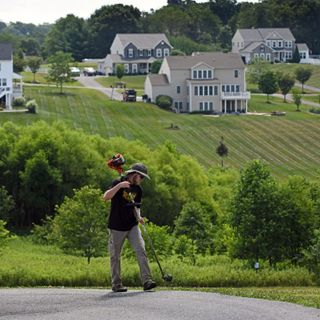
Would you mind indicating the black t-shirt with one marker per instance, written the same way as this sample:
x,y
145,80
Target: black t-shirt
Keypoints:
x,y
122,212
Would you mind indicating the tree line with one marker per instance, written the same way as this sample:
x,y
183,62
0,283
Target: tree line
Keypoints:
x,y
190,26
54,177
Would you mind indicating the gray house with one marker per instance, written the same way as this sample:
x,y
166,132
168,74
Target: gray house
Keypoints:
x,y
136,51
210,82
270,44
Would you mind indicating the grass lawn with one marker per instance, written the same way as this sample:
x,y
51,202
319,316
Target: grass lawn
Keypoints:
x,y
27,77
289,144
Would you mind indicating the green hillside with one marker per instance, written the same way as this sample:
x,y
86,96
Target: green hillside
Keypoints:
x,y
290,144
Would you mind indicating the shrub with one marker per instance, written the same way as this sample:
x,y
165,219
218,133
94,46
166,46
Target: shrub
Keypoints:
x,y
6,204
32,106
19,102
4,235
164,102
315,110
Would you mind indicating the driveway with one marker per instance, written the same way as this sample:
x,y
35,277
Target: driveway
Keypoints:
x,y
89,82
94,304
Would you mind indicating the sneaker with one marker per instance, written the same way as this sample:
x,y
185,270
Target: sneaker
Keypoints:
x,y
119,288
149,285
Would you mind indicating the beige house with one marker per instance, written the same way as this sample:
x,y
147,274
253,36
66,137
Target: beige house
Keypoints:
x,y
210,82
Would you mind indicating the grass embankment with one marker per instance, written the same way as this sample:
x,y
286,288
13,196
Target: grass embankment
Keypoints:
x,y
26,264
41,78
135,82
289,144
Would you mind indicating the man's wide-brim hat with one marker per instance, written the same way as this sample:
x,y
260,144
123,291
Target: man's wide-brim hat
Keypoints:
x,y
139,168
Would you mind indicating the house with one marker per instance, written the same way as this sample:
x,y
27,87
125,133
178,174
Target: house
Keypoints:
x,y
10,83
211,82
304,52
136,51
271,44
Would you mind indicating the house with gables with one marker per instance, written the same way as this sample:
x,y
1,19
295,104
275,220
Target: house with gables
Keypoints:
x,y
10,82
209,82
270,44
136,51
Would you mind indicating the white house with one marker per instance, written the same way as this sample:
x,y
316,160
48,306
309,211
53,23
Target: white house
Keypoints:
x,y
210,82
10,83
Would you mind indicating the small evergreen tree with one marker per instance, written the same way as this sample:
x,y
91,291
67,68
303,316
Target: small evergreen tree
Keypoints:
x,y
120,71
222,150
296,56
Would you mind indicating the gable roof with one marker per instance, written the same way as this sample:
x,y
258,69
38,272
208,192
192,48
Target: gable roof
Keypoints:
x,y
262,34
5,51
158,79
216,60
253,45
302,47
143,40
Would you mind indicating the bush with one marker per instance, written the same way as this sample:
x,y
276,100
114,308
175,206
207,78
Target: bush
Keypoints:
x,y
19,102
32,106
164,102
315,110
6,204
4,235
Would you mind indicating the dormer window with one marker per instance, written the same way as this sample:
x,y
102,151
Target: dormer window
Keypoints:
x,y
166,52
130,53
202,74
159,53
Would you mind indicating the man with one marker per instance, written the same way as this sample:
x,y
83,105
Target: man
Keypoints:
x,y
125,195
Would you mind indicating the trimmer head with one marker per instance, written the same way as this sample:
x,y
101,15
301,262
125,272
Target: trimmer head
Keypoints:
x,y
167,277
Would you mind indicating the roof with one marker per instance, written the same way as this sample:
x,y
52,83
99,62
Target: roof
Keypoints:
x,y
143,40
262,34
116,58
5,51
302,47
216,60
253,45
158,79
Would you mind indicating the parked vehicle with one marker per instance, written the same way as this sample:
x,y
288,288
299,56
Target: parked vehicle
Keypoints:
x,y
75,72
130,95
89,71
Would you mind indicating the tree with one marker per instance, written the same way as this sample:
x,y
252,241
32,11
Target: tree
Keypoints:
x,y
256,68
30,46
268,84
224,9
6,204
34,64
106,22
155,66
120,71
296,56
222,150
286,83
80,223
59,71
68,34
303,75
4,236
297,99
254,213
194,222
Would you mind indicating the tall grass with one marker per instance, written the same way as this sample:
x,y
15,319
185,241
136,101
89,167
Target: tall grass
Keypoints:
x,y
27,264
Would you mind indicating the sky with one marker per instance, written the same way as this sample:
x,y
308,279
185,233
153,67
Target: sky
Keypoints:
x,y
42,11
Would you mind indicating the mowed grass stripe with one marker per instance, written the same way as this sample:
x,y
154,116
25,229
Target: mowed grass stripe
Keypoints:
x,y
289,145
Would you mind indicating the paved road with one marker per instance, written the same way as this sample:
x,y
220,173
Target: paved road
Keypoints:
x,y
90,82
94,304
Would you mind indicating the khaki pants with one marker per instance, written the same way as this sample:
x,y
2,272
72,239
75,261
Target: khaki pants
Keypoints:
x,y
116,241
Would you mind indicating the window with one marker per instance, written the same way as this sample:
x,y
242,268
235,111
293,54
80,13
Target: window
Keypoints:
x,y
149,52
194,74
215,90
236,73
210,90
204,74
280,44
134,68
199,74
268,56
141,53
126,68
159,53
209,74
200,90
130,53
178,89
195,90
205,90
201,106
274,44
166,52
4,82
